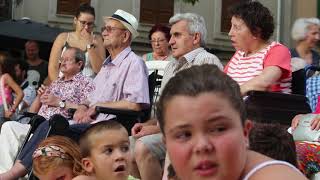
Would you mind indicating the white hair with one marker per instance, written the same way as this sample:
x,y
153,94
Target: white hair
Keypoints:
x,y
196,23
300,27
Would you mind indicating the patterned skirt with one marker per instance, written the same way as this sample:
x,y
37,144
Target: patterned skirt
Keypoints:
x,y
308,154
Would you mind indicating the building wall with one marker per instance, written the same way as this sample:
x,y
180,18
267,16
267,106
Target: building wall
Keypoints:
x,y
209,9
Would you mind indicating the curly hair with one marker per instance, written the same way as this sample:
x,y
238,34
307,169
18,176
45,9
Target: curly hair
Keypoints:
x,y
43,164
256,16
160,28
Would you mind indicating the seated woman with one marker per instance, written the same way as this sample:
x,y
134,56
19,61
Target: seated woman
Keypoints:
x,y
202,117
258,64
159,37
82,38
306,33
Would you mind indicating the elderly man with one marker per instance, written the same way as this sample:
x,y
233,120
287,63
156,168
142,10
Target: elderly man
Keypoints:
x,y
121,83
188,35
36,64
63,93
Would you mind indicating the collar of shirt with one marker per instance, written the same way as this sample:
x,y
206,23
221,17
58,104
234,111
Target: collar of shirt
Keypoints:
x,y
190,56
117,61
75,77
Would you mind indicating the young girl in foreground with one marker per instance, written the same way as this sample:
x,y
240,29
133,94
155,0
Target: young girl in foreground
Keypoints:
x,y
203,119
57,158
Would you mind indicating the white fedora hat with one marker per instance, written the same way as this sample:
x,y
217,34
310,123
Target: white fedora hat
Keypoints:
x,y
127,19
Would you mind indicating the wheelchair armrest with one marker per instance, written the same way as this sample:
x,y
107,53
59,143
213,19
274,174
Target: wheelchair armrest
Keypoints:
x,y
58,123
29,114
35,121
119,112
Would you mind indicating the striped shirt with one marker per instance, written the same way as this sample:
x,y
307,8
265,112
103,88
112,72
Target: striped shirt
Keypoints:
x,y
243,68
197,56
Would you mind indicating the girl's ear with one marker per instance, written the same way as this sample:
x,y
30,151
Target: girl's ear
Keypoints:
x,y
87,165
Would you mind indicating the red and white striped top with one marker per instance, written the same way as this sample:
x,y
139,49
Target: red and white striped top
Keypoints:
x,y
243,68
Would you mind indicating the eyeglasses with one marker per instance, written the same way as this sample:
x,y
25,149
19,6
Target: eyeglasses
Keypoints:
x,y
66,61
157,41
85,23
109,29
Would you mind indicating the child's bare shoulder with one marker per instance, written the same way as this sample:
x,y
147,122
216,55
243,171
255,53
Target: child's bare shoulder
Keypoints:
x,y
83,177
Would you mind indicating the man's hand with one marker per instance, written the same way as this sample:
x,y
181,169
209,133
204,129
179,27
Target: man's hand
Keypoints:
x,y
145,130
41,89
50,100
315,123
136,128
295,121
80,113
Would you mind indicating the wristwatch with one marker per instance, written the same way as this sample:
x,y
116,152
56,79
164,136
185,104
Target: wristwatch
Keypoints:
x,y
89,46
62,104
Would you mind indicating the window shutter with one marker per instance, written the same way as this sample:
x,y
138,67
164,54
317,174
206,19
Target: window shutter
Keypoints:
x,y
69,7
155,11
225,16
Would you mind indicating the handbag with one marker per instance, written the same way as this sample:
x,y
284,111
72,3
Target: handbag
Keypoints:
x,y
303,131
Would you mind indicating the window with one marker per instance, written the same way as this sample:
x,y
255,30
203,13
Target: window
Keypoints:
x,y
155,11
225,16
69,7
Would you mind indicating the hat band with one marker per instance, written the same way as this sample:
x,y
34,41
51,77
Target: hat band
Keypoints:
x,y
120,18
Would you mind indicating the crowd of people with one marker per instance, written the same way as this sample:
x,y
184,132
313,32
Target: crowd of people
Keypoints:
x,y
200,130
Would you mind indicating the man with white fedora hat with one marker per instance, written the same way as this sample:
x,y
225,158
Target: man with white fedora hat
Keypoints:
x,y
122,82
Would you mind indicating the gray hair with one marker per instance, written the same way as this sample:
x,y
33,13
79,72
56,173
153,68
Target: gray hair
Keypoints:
x,y
79,55
196,23
300,27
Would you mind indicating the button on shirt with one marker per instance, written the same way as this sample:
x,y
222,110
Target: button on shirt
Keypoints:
x,y
123,78
74,91
197,56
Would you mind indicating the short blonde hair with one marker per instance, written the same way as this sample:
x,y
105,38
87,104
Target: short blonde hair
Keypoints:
x,y
300,27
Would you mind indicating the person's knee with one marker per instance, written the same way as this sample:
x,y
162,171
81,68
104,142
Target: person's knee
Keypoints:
x,y
141,151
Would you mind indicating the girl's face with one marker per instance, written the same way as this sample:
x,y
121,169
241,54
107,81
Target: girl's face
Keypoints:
x,y
313,35
159,42
205,138
85,22
59,173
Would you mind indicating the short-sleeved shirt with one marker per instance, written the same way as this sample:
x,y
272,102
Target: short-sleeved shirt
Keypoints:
x,y
243,68
74,90
197,56
123,78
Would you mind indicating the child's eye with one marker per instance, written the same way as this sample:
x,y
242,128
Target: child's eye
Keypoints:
x,y
125,148
183,135
108,151
217,129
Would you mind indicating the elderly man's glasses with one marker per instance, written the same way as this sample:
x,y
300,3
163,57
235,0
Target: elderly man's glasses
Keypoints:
x,y
66,61
85,23
153,41
109,29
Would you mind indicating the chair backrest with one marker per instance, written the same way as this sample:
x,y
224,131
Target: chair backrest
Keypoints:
x,y
271,107
157,65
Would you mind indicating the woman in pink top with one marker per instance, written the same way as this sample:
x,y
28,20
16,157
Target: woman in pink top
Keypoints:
x,y
8,84
258,64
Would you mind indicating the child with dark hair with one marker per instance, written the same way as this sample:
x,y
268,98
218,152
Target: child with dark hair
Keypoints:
x,y
274,141
105,152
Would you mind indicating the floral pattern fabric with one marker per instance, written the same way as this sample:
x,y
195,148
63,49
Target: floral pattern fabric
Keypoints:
x,y
308,154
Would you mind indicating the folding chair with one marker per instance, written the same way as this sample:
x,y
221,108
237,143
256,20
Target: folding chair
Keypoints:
x,y
271,107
